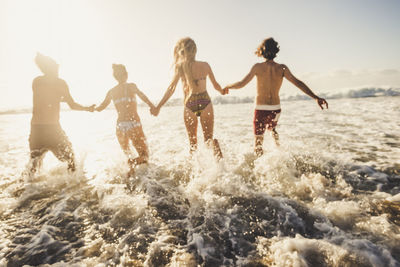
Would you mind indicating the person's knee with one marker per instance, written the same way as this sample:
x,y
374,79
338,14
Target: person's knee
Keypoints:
x,y
259,139
144,153
37,153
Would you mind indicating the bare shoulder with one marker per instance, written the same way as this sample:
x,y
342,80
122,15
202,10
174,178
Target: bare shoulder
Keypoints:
x,y
37,79
282,66
132,85
203,64
62,86
113,90
257,67
36,82
62,82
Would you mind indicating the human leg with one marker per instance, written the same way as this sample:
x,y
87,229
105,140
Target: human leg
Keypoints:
x,y
123,140
63,152
139,142
37,156
259,126
275,135
258,145
191,128
207,125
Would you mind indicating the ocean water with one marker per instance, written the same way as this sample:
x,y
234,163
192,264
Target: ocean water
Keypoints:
x,y
328,196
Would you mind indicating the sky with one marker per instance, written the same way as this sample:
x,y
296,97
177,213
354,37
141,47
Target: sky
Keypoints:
x,y
330,45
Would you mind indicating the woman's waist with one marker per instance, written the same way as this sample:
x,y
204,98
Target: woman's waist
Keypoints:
x,y
198,94
269,100
133,118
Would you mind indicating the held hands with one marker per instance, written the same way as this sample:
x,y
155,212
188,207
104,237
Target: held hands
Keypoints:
x,y
91,108
154,110
225,91
322,102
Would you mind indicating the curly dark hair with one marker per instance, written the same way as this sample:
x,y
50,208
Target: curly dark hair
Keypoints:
x,y
268,49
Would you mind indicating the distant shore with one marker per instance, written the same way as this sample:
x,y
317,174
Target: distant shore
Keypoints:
x,y
221,100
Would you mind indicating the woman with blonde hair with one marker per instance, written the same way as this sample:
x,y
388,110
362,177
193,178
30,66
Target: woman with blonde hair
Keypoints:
x,y
197,102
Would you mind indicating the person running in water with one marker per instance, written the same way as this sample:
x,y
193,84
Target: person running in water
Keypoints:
x,y
46,132
270,75
129,128
197,102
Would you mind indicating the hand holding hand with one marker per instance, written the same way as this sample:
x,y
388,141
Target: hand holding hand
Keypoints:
x,y
225,91
322,102
154,111
91,108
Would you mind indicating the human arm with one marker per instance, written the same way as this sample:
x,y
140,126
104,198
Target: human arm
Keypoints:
x,y
170,91
303,87
105,103
216,85
244,81
143,96
72,104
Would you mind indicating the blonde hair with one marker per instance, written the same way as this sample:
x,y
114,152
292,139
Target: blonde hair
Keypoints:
x,y
184,55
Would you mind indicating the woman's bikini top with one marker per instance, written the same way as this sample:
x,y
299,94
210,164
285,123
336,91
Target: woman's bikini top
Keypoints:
x,y
125,98
196,81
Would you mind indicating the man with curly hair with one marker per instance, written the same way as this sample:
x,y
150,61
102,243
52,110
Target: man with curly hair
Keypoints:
x,y
270,75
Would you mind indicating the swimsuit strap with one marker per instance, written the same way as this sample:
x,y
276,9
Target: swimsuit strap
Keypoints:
x,y
126,98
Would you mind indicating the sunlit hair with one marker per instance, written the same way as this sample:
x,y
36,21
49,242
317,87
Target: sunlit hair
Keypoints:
x,y
46,64
120,73
268,49
184,55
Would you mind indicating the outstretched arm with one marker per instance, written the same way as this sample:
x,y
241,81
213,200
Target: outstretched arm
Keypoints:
x,y
143,96
105,102
214,82
303,87
170,91
244,81
73,105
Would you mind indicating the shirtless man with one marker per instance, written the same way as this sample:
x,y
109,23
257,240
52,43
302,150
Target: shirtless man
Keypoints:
x,y
46,133
269,80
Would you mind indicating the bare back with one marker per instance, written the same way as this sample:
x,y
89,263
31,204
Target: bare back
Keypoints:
x,y
48,92
200,71
269,81
124,98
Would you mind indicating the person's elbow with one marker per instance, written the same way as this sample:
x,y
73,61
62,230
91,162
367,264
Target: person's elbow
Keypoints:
x,y
298,83
217,87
